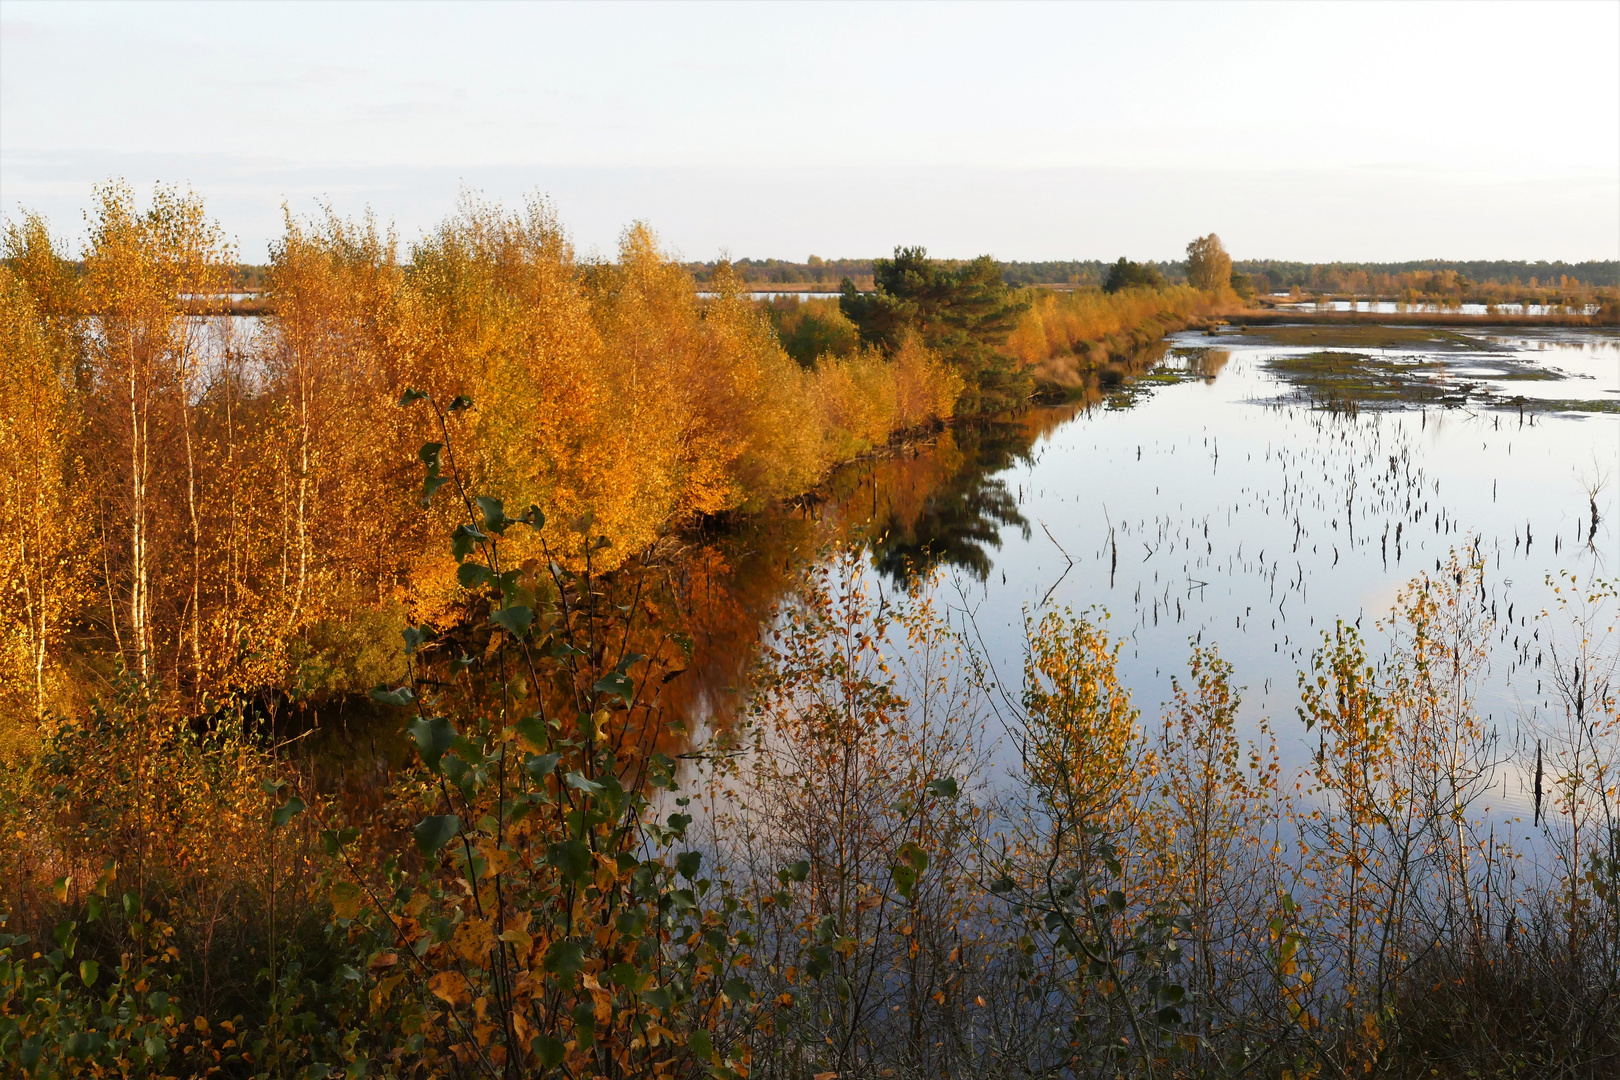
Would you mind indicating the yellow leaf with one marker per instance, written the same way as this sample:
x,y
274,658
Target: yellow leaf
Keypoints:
x,y
346,897
449,987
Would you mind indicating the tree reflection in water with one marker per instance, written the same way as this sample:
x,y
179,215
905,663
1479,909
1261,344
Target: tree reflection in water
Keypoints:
x,y
961,518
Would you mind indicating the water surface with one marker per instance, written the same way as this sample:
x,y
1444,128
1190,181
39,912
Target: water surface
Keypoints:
x,y
1252,488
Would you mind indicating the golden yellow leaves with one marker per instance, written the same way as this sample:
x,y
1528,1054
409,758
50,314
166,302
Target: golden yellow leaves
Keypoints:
x,y
450,987
346,899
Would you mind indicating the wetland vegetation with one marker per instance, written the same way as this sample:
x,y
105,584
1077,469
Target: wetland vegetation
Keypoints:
x,y
492,662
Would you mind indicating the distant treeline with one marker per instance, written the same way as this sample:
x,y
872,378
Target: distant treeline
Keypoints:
x,y
1284,275
1277,274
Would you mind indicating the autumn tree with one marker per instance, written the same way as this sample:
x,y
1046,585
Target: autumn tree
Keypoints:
x,y
43,570
144,367
1209,267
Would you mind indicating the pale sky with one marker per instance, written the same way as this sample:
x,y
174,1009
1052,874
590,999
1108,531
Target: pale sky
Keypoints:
x,y
1306,131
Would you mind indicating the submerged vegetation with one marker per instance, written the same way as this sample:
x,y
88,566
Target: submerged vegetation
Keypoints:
x,y
444,506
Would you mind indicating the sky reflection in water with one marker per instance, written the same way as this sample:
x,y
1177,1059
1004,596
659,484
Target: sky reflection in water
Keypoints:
x,y
1246,517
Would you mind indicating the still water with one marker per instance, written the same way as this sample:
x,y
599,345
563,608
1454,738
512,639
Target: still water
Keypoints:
x,y
1248,490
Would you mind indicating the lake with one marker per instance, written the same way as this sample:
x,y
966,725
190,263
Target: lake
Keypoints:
x,y
1248,489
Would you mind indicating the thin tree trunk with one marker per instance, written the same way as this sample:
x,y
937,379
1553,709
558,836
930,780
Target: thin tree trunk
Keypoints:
x,y
191,506
137,543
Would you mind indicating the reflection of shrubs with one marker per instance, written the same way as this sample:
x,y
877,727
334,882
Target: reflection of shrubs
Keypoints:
x,y
349,655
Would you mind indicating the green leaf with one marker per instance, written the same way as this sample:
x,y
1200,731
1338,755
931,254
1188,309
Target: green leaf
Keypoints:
x,y
459,402
910,869
687,863
432,833
28,1053
571,857
430,485
564,957
471,575
88,970
494,511
433,736
464,540
618,684
540,766
85,1044
549,1050
738,989
533,518
578,782
1002,884
701,1044
944,789
516,618
287,811
410,397
584,1022
402,696
414,637
429,456
1116,900
533,730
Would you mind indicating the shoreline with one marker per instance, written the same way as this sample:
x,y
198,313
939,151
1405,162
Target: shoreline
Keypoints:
x,y
1407,318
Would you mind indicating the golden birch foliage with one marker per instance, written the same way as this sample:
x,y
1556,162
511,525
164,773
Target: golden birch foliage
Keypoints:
x,y
1209,267
1085,751
336,521
1062,333
866,397
857,399
43,571
145,367
779,452
252,498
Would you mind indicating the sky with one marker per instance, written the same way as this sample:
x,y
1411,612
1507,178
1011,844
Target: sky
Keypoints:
x,y
1310,131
